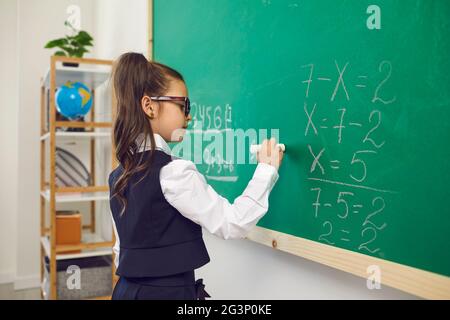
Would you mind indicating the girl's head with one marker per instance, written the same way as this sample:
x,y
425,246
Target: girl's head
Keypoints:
x,y
151,98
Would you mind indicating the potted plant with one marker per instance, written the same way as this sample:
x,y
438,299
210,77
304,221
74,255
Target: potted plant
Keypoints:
x,y
74,45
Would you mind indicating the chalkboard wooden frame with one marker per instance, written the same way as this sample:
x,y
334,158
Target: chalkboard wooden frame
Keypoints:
x,y
418,282
412,280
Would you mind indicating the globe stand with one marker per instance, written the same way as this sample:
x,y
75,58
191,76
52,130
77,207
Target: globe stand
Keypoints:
x,y
60,117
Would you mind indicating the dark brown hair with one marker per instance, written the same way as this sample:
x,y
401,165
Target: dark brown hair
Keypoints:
x,y
133,78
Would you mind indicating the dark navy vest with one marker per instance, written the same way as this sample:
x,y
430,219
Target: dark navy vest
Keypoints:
x,y
155,239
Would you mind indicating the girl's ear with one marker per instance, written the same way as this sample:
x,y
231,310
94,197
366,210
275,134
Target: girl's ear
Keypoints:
x,y
149,107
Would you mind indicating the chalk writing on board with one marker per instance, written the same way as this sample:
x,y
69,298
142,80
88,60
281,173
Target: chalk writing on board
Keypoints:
x,y
338,198
208,123
206,117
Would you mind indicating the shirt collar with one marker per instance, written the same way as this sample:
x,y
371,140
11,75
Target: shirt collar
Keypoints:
x,y
160,144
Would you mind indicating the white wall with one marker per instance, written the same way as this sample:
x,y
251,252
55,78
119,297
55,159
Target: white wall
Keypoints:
x,y
26,25
121,26
38,22
8,138
238,269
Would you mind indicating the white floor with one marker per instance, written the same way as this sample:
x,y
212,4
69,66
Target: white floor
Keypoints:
x,y
7,292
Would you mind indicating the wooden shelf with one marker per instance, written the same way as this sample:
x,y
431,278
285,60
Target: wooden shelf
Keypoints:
x,y
77,135
76,196
82,189
105,247
91,76
100,298
78,124
93,73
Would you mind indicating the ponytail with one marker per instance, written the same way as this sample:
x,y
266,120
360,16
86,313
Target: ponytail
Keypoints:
x,y
134,77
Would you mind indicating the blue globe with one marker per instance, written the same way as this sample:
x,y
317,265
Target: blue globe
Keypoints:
x,y
73,100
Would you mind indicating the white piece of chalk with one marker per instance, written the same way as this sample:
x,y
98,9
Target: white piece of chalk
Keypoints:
x,y
254,148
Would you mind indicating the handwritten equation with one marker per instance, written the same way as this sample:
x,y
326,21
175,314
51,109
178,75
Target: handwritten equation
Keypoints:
x,y
340,204
208,121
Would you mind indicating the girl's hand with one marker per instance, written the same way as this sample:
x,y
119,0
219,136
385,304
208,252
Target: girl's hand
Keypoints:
x,y
270,153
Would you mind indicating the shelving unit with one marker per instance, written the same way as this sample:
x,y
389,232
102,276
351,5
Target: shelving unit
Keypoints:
x,y
76,135
93,73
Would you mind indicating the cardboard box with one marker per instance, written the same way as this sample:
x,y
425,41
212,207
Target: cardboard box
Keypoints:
x,y
68,228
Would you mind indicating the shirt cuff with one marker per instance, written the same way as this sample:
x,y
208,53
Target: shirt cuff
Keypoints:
x,y
267,172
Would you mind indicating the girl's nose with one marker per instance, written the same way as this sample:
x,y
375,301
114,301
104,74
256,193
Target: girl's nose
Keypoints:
x,y
189,118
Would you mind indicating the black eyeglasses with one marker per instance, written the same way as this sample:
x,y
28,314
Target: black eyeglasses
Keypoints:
x,y
185,100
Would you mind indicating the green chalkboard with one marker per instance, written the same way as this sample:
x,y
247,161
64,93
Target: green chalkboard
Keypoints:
x,y
360,96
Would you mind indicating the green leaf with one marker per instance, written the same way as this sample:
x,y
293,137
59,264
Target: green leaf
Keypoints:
x,y
73,42
83,39
72,45
82,43
66,47
56,43
80,52
70,50
84,35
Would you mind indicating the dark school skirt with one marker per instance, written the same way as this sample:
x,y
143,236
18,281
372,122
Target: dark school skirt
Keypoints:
x,y
174,287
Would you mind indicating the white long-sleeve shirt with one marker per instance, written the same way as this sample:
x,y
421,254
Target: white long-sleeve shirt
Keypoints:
x,y
187,190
